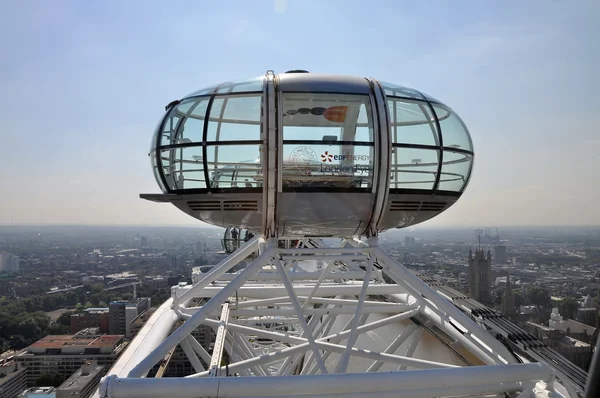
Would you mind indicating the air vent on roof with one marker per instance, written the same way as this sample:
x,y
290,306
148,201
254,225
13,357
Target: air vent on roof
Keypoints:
x,y
397,205
297,71
218,205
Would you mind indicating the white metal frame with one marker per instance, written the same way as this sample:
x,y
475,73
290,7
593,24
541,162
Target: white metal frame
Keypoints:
x,y
329,312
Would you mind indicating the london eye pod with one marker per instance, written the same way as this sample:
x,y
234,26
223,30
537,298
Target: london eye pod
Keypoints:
x,y
307,154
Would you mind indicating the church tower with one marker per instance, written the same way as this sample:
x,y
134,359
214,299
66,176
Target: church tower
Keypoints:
x,y
480,270
508,300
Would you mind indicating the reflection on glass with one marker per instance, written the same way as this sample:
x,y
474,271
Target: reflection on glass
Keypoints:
x,y
454,132
242,86
412,123
394,90
342,124
413,168
455,170
183,125
326,117
430,98
342,166
183,168
204,91
156,172
235,119
234,166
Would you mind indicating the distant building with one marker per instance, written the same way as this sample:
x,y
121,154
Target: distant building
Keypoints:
x,y
179,364
572,328
13,378
82,383
576,351
500,256
480,270
122,313
174,280
587,313
409,241
138,322
64,354
9,263
508,300
90,318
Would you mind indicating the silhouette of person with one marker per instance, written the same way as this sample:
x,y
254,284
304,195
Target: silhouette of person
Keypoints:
x,y
234,237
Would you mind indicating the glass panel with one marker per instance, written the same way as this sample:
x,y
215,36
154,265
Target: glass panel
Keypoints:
x,y
204,91
412,123
155,135
430,98
455,171
234,166
395,90
454,132
327,117
155,171
183,168
242,86
235,119
413,168
346,166
191,112
167,136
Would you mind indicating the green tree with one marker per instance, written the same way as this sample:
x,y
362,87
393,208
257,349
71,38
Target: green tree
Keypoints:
x,y
65,318
57,328
538,296
568,307
50,380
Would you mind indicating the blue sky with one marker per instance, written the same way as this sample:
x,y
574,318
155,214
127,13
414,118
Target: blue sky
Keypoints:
x,y
85,82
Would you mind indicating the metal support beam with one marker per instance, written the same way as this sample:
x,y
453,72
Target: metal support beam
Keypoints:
x,y
437,382
215,362
195,320
298,309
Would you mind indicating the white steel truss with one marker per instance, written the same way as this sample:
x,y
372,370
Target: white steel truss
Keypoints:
x,y
321,321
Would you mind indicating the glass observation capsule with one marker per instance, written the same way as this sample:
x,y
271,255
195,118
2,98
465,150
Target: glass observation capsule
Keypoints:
x,y
307,154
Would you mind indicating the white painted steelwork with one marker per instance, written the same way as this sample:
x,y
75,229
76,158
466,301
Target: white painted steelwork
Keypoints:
x,y
336,332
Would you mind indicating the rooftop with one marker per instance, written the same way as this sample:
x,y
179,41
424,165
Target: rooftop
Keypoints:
x,y
61,341
82,377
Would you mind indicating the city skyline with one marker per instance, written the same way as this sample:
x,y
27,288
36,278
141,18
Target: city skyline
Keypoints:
x,y
520,76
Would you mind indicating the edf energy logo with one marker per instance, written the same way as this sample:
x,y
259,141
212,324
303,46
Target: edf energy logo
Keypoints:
x,y
328,157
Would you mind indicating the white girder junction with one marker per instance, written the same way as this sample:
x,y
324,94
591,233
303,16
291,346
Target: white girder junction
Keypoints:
x,y
340,330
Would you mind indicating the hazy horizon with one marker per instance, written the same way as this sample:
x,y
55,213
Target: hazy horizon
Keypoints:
x,y
84,85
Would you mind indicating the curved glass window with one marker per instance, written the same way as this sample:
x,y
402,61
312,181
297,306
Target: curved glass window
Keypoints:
x,y
327,141
411,122
395,90
235,119
155,171
234,166
242,86
183,168
230,155
454,132
204,91
455,171
413,168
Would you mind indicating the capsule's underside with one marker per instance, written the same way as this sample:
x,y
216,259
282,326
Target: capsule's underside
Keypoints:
x,y
311,154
